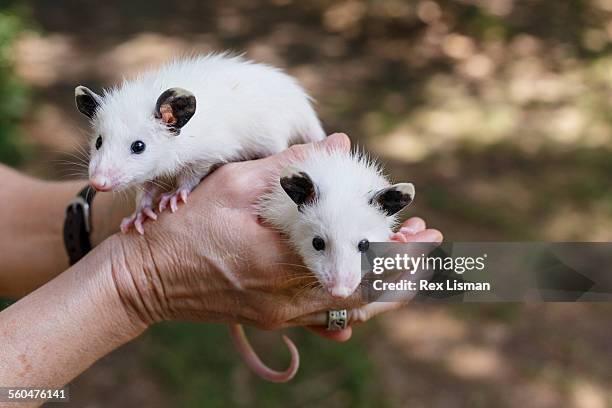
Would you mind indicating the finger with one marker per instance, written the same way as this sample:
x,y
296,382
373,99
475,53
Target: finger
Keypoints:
x,y
272,166
412,226
262,171
365,313
426,235
358,315
339,335
317,319
429,235
311,310
338,141
398,237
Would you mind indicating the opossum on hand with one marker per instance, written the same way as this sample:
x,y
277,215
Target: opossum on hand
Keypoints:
x,y
148,130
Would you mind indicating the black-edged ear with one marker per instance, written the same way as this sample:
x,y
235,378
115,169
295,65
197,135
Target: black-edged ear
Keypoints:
x,y
87,101
394,198
175,106
298,186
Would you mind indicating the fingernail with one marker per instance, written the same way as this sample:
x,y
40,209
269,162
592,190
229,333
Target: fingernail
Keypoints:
x,y
338,140
408,230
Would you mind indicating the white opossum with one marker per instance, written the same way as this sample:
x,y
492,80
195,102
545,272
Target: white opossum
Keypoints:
x,y
330,206
148,130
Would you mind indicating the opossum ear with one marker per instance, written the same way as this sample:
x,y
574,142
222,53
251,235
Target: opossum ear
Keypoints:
x,y
175,106
298,186
394,198
87,101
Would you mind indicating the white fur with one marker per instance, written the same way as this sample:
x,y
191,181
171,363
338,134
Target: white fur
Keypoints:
x,y
243,110
341,214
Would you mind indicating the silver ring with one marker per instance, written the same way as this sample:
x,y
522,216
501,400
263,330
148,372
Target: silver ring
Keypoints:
x,y
337,320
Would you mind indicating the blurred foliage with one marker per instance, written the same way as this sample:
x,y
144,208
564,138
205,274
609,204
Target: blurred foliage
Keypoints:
x,y
13,93
499,111
196,361
4,303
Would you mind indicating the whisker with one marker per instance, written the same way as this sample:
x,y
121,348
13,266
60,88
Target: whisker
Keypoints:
x,y
299,278
291,264
306,288
161,184
72,176
80,159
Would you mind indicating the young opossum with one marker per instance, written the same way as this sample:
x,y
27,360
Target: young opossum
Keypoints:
x,y
148,130
330,207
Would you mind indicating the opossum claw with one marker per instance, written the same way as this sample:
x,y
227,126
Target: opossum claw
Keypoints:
x,y
173,199
173,203
183,193
138,223
149,213
137,219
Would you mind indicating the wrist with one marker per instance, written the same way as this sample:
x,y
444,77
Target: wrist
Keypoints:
x,y
136,280
111,282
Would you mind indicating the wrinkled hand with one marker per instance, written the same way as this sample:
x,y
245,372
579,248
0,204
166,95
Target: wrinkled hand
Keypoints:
x,y
214,261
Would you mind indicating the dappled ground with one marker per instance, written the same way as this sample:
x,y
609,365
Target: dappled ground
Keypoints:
x,y
498,111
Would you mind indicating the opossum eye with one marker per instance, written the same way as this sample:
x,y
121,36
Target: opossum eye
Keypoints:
x,y
318,243
99,142
363,245
138,147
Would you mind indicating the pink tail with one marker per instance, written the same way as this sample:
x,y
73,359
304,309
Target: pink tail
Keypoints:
x,y
253,361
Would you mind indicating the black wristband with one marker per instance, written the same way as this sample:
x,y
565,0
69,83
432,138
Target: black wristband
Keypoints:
x,y
77,225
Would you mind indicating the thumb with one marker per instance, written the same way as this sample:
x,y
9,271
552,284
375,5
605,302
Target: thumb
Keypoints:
x,y
339,141
273,165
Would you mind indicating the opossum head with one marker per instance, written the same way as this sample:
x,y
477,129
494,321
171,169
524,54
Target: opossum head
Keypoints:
x,y
133,131
336,221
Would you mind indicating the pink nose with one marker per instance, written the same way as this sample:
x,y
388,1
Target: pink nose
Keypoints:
x,y
100,183
340,292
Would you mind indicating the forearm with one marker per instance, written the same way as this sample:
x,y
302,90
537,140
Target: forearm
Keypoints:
x,y
31,223
57,331
31,246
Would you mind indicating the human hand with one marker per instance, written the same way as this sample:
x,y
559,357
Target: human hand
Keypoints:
x,y
217,263
214,261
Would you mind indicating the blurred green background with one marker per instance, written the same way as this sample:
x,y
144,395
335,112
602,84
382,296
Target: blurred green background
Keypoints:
x,y
498,110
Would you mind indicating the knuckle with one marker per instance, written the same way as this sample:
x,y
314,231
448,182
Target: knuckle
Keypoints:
x,y
272,320
232,178
226,171
298,151
360,315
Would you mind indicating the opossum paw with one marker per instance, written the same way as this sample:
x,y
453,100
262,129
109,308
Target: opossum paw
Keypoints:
x,y
128,222
173,199
137,220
